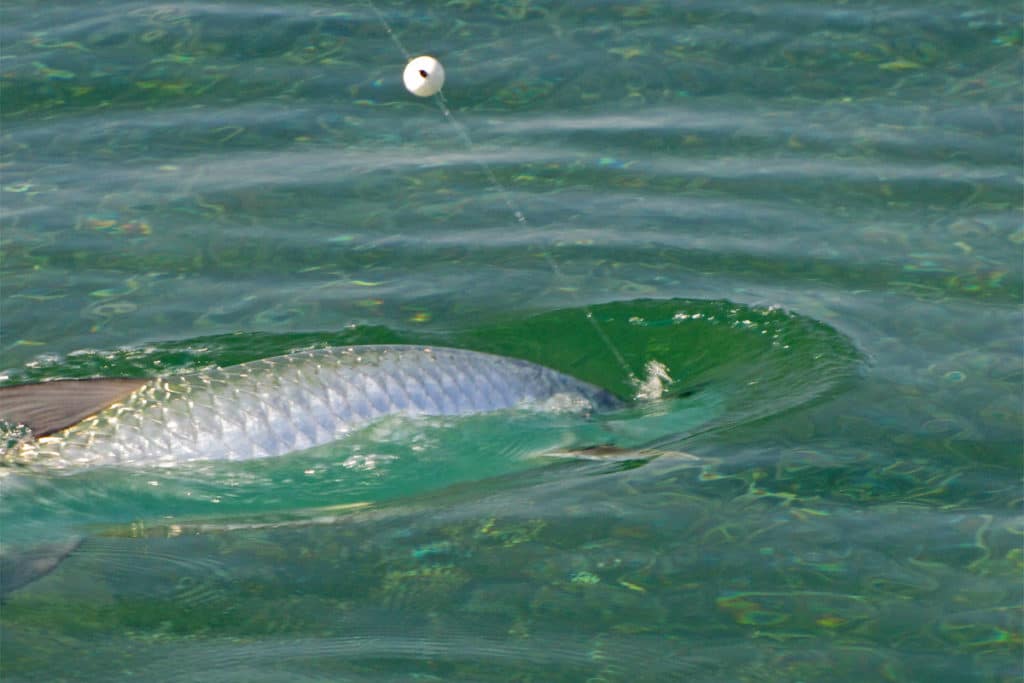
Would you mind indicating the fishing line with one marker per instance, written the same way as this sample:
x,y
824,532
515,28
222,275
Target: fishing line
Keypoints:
x,y
428,82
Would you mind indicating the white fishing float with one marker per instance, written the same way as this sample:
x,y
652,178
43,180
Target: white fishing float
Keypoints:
x,y
423,76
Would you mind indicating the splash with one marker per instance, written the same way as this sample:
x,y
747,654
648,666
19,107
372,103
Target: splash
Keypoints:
x,y
655,381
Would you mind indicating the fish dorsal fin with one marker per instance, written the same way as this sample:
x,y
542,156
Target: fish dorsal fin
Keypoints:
x,y
49,407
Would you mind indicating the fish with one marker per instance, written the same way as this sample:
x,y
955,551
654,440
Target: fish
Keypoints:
x,y
273,406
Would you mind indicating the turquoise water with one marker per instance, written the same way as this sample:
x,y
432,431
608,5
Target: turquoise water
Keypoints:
x,y
809,216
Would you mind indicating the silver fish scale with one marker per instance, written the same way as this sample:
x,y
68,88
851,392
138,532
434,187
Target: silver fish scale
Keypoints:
x,y
279,405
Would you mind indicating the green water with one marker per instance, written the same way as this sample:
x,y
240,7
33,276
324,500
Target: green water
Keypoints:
x,y
809,215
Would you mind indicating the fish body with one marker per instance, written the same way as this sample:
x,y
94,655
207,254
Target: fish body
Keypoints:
x,y
279,405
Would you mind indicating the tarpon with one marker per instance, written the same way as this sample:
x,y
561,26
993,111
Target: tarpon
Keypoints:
x,y
273,406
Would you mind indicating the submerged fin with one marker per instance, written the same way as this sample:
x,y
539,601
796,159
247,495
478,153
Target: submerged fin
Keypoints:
x,y
617,454
49,407
21,567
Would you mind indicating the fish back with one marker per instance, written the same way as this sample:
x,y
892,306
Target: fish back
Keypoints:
x,y
279,405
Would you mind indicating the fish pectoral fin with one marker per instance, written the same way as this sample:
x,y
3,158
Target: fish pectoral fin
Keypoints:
x,y
49,407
